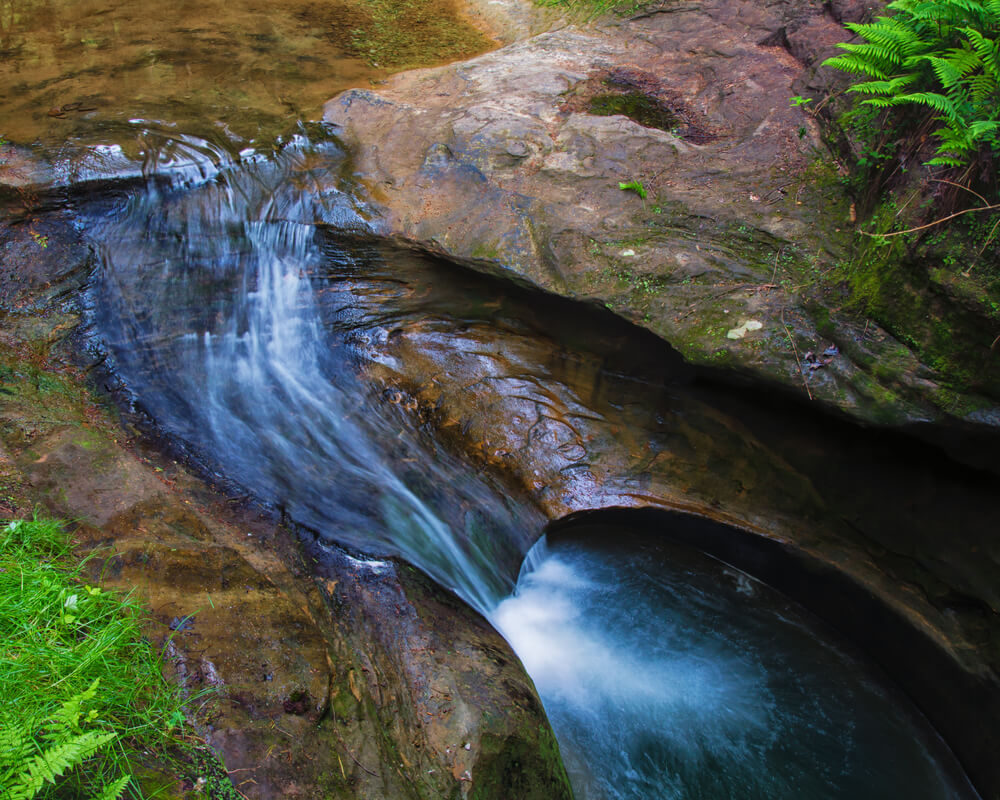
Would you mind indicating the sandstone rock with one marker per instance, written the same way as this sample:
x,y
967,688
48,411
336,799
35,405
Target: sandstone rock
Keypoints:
x,y
497,162
324,679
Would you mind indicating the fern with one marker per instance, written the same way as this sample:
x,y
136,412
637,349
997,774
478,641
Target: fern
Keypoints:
x,y
16,743
943,55
33,758
114,790
56,761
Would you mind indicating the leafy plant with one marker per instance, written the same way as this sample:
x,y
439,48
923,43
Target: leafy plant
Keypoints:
x,y
942,55
81,689
633,186
29,759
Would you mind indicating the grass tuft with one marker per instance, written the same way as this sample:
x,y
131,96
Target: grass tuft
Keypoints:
x,y
80,686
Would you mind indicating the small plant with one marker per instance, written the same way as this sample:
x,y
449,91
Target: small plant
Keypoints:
x,y
633,186
798,101
941,55
30,759
81,689
40,240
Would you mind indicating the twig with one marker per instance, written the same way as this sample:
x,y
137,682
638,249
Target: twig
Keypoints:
x,y
661,10
995,343
346,750
826,100
961,186
737,287
795,352
931,224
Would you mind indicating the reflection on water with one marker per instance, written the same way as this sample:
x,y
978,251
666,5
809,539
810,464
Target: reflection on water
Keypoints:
x,y
668,675
226,70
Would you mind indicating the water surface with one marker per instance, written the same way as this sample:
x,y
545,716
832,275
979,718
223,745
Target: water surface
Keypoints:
x,y
234,71
669,675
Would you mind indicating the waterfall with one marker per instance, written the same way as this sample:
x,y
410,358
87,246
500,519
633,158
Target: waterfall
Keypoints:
x,y
665,675
206,299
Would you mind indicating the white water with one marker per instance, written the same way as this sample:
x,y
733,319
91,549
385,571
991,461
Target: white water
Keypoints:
x,y
207,304
667,675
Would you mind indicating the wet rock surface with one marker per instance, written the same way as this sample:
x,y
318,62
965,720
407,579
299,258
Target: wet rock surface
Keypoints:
x,y
500,162
326,676
354,678
579,412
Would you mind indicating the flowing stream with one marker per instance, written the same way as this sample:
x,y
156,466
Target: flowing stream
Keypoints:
x,y
238,319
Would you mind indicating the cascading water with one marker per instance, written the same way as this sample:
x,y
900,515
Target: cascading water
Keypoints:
x,y
205,302
215,301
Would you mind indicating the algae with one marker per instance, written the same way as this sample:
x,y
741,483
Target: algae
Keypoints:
x,y
638,107
400,34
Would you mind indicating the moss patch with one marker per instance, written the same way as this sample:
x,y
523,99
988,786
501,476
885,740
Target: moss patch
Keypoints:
x,y
637,107
397,34
919,292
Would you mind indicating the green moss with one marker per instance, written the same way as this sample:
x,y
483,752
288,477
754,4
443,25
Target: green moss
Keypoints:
x,y
946,318
528,767
638,107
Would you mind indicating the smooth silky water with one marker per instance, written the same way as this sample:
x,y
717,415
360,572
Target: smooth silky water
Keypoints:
x,y
239,324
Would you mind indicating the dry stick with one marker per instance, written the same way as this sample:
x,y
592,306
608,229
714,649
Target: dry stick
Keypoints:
x,y
961,186
931,224
735,288
360,764
795,351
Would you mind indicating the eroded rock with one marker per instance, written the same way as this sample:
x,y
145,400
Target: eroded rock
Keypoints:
x,y
324,678
494,161
579,413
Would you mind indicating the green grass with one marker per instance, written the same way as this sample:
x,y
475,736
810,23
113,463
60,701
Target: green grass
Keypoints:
x,y
83,702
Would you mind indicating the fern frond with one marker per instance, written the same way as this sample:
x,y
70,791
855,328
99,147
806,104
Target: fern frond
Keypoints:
x,y
984,93
965,59
893,36
935,100
56,761
881,102
988,51
890,87
956,142
949,11
945,70
114,790
68,715
857,65
981,129
945,161
15,743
